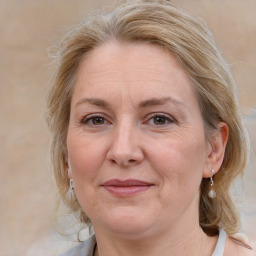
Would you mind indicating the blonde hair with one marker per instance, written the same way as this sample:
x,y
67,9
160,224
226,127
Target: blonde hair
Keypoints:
x,y
187,38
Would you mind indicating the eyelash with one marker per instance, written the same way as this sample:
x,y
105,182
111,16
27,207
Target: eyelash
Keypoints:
x,y
90,118
166,118
86,119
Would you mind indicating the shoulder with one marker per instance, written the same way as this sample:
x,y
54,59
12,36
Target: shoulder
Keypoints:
x,y
238,246
85,248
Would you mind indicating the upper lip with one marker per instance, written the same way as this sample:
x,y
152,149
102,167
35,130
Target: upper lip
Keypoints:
x,y
126,183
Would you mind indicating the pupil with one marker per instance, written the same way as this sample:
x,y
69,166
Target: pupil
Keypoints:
x,y
159,120
98,120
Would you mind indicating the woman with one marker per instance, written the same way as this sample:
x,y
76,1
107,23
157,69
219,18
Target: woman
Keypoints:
x,y
146,134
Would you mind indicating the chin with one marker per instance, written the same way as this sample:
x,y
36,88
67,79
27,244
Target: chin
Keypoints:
x,y
128,223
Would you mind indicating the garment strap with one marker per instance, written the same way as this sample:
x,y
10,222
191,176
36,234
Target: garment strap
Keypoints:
x,y
219,249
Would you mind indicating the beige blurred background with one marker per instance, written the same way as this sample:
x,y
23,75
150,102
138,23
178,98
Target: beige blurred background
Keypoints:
x,y
27,29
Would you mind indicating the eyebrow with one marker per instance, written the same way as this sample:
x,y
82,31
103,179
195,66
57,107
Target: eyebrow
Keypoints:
x,y
93,101
160,101
143,104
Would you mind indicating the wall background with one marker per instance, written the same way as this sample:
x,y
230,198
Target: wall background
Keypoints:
x,y
27,188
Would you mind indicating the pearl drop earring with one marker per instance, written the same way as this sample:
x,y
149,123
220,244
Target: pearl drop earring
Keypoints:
x,y
212,193
71,184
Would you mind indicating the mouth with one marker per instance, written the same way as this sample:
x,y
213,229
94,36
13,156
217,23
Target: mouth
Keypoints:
x,y
126,188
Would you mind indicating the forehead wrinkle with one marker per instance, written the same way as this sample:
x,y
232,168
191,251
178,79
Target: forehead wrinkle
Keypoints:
x,y
105,72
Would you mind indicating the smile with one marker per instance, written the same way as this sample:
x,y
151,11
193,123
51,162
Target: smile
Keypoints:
x,y
126,188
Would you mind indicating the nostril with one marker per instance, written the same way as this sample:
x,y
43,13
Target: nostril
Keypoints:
x,y
123,163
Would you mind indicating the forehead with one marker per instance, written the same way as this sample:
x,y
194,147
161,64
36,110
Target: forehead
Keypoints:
x,y
139,70
130,56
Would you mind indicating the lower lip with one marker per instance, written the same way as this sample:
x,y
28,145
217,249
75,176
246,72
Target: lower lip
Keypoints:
x,y
127,191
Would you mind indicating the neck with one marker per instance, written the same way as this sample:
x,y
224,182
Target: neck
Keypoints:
x,y
180,236
176,242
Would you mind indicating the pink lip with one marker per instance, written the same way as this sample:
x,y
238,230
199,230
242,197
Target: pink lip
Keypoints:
x,y
126,188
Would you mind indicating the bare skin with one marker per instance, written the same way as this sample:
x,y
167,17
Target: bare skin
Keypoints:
x,y
135,119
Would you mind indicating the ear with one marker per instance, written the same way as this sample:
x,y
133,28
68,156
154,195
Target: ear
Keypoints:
x,y
216,152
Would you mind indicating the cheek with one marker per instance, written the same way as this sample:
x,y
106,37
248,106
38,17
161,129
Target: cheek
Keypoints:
x,y
179,154
179,163
85,158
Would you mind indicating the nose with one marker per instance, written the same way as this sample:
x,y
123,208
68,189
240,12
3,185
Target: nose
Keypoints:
x,y
125,149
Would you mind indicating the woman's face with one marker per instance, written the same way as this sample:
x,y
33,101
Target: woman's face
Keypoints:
x,y
136,143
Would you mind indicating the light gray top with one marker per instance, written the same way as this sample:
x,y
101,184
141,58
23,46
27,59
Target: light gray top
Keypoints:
x,y
87,247
220,246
